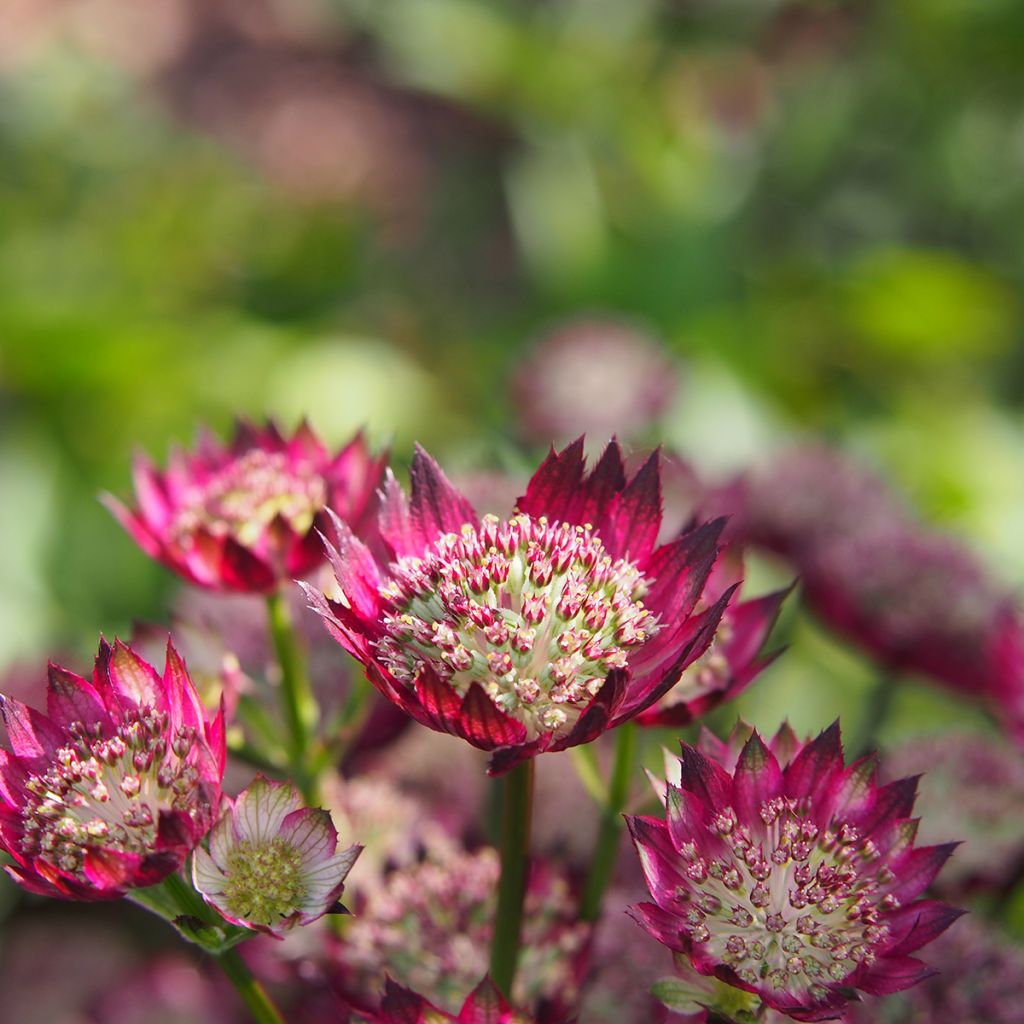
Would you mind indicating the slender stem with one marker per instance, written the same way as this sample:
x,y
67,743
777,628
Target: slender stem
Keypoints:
x,y
879,705
296,697
187,899
252,992
607,845
515,848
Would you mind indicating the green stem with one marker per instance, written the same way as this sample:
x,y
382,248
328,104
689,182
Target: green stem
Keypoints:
x,y
187,899
252,992
607,845
297,699
879,705
515,848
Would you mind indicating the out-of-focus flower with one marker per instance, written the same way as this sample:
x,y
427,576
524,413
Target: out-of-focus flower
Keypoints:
x,y
272,863
979,980
168,990
534,633
430,927
795,883
596,376
245,517
113,787
973,787
733,660
485,1005
914,599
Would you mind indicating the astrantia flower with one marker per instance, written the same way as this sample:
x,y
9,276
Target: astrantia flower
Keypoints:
x,y
430,927
594,376
529,634
733,660
113,787
484,1005
797,883
272,863
245,517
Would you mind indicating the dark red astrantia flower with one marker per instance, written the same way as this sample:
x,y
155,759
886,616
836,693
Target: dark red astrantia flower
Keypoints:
x,y
798,882
115,785
245,517
529,634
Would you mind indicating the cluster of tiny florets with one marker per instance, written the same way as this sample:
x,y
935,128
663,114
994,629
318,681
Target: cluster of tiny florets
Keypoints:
x,y
430,927
106,792
799,909
264,881
537,612
243,498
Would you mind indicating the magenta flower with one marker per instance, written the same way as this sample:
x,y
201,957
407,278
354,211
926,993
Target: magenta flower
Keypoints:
x,y
484,1005
555,386
245,517
272,863
529,634
797,883
733,660
113,787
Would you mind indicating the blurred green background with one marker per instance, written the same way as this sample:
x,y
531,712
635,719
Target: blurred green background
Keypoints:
x,y
366,210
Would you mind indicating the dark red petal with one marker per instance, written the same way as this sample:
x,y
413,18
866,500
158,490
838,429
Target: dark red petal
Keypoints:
x,y
182,701
400,1006
916,870
109,870
484,725
32,736
891,803
356,571
757,780
395,520
13,777
916,925
815,768
661,925
704,778
553,489
134,680
679,571
70,698
436,507
893,974
630,529
241,569
659,860
506,758
597,497
750,622
306,551
599,712
485,1005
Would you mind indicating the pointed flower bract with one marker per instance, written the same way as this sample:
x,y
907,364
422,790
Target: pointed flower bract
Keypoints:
x,y
272,863
798,882
115,785
529,634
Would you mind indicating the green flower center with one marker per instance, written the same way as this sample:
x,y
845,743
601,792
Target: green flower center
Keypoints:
x,y
265,881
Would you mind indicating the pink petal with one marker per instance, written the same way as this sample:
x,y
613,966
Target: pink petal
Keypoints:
x,y
69,698
436,507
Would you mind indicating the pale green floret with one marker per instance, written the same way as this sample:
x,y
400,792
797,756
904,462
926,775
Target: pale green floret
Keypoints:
x,y
264,881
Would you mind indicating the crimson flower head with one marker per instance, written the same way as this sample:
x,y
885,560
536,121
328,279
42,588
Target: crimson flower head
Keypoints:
x,y
485,1005
113,787
533,633
796,882
244,517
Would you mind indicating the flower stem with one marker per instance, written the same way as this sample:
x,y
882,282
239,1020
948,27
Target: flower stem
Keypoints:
x,y
607,845
251,991
515,847
297,699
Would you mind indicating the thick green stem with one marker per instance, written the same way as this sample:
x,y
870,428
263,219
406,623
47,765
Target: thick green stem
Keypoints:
x,y
515,848
297,699
252,992
606,848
